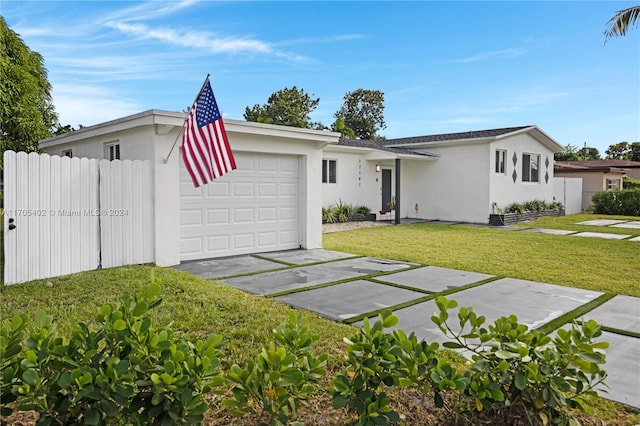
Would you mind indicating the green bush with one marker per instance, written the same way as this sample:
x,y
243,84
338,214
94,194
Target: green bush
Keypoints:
x,y
343,212
630,183
532,206
118,367
282,377
514,371
624,202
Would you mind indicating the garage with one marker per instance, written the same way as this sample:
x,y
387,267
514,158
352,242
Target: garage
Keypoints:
x,y
255,208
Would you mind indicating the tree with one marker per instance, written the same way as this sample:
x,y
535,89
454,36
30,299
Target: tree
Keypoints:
x,y
635,151
287,107
343,129
589,153
569,153
619,151
27,113
620,23
363,111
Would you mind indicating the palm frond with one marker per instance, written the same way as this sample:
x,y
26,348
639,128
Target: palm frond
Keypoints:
x,y
622,21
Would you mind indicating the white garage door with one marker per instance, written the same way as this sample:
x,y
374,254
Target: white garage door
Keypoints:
x,y
252,209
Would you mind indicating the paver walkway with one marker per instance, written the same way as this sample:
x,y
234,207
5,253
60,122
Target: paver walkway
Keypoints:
x,y
347,288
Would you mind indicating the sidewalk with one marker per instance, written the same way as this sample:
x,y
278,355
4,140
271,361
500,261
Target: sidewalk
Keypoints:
x,y
347,288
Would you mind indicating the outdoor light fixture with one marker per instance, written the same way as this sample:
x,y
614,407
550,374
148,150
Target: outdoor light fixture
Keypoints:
x,y
377,168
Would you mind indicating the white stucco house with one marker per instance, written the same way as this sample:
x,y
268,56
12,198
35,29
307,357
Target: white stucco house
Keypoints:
x,y
451,177
284,176
270,202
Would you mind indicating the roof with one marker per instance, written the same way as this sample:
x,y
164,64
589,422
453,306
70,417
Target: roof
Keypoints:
x,y
379,145
475,136
600,163
595,166
447,137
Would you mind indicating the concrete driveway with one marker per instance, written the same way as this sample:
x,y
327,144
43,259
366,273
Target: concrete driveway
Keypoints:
x,y
346,287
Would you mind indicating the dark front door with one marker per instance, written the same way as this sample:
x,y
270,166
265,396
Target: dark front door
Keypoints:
x,y
386,189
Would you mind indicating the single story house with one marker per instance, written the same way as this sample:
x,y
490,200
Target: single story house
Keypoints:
x,y
274,199
268,203
597,175
452,177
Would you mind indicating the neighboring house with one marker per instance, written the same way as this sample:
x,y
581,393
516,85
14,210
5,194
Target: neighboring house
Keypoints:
x,y
268,203
597,175
453,177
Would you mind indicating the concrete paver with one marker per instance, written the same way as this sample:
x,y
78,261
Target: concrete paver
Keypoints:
x,y
601,222
621,312
306,276
634,239
224,267
346,300
623,369
630,225
602,235
434,278
301,257
550,231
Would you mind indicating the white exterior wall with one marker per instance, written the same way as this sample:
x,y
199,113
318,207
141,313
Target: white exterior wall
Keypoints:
x,y
504,190
150,135
455,187
357,182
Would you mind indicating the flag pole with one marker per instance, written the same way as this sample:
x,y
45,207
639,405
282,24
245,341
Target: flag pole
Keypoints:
x,y
165,159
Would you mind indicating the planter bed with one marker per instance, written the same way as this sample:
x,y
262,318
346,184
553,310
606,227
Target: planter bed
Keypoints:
x,y
503,219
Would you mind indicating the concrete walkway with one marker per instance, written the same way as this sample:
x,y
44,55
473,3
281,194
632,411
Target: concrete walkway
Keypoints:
x,y
346,287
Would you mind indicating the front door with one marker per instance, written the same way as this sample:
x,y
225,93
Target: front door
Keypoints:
x,y
386,189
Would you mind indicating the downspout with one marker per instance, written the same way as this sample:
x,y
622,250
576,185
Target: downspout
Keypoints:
x,y
398,198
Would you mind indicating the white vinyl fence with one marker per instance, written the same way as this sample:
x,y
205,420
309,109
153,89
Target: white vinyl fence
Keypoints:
x,y
66,215
568,191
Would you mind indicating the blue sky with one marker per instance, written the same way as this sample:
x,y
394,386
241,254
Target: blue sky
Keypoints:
x,y
443,66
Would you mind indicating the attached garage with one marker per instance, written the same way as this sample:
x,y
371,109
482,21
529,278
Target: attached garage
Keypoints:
x,y
272,201
256,208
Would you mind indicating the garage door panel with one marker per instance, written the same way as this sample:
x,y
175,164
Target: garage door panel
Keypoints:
x,y
251,209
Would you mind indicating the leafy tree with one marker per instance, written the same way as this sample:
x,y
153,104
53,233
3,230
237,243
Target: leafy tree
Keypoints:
x,y
569,153
27,113
635,151
287,107
590,153
340,127
619,151
620,23
363,111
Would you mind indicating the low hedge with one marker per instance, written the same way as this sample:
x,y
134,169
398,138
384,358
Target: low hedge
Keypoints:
x,y
624,202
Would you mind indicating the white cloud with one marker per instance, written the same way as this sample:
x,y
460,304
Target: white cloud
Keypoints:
x,y
496,54
88,105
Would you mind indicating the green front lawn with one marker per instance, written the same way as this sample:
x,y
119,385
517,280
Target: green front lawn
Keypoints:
x,y
588,263
197,307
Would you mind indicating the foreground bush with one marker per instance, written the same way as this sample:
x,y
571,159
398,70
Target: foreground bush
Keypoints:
x,y
624,202
513,369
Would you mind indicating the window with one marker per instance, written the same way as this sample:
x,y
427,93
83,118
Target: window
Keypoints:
x,y
112,151
530,167
501,156
613,184
67,153
328,171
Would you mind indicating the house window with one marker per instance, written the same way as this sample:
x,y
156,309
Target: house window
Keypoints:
x,y
67,153
530,167
613,184
328,171
112,151
501,156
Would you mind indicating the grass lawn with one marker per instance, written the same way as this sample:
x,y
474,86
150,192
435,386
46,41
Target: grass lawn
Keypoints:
x,y
197,307
588,263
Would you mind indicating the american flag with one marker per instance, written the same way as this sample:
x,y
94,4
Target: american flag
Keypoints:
x,y
205,147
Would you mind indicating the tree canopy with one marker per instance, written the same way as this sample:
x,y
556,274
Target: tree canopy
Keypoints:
x,y
624,151
363,112
287,107
620,23
27,113
573,153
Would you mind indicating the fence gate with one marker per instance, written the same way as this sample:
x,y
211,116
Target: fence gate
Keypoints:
x,y
66,215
